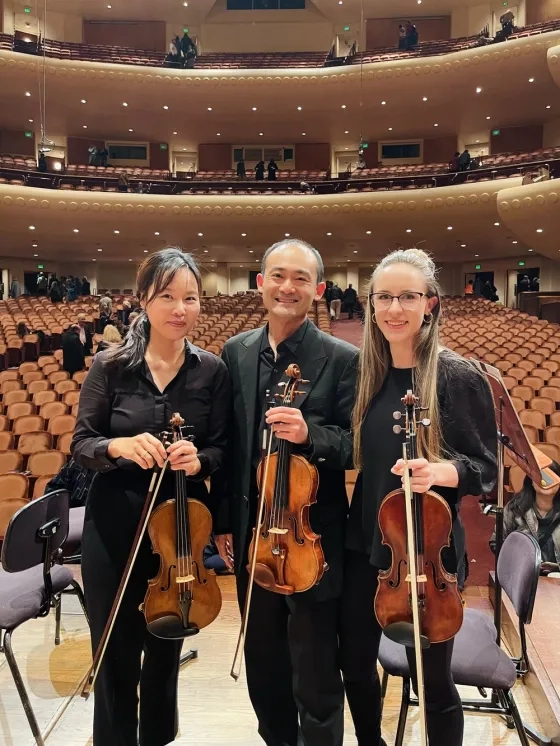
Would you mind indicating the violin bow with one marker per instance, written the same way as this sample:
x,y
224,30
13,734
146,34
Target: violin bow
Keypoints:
x,y
91,675
238,658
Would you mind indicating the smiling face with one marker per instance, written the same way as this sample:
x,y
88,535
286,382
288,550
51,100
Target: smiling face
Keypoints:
x,y
174,311
398,324
289,284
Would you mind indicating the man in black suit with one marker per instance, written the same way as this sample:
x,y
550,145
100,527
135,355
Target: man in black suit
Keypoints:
x,y
291,647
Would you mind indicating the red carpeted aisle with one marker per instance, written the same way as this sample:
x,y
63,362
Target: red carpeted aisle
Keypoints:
x,y
477,526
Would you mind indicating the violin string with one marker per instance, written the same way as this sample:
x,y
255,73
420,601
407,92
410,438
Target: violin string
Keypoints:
x,y
179,528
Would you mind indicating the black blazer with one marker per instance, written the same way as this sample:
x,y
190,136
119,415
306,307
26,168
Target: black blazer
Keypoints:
x,y
331,366
73,356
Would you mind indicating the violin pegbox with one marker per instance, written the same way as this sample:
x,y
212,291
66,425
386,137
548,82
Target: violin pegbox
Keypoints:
x,y
291,386
411,415
178,425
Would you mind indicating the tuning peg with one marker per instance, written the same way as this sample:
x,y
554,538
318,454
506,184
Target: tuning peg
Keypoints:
x,y
301,393
397,415
426,422
397,429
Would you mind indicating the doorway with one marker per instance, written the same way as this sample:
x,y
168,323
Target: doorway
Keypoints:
x,y
253,279
479,280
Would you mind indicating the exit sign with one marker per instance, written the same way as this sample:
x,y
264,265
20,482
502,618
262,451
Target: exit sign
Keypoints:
x,y
163,146
478,266
521,264
40,266
365,145
28,133
347,28
186,30
505,3
495,133
27,9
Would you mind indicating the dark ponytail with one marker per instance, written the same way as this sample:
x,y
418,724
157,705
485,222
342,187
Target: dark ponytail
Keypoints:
x,y
153,276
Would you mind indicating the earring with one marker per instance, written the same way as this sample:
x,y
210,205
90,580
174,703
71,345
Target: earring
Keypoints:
x,y
373,318
428,318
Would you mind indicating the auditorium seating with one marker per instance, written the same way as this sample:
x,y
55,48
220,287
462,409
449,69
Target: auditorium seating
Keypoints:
x,y
275,60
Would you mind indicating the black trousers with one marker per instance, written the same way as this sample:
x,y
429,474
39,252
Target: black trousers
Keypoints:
x,y
293,671
116,713
360,635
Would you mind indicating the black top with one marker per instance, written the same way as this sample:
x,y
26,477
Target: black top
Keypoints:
x,y
469,432
73,353
118,403
544,523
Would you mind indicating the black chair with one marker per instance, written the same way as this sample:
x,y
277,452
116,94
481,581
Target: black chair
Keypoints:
x,y
477,660
31,580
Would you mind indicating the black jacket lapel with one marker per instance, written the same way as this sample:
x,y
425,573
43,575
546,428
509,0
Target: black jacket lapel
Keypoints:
x,y
248,370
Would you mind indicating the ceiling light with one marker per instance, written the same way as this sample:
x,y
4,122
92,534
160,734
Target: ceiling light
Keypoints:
x,y
175,133
529,249
449,227
477,255
261,134
124,103
93,260
156,233
531,80
487,117
383,103
31,227
436,125
116,232
34,245
343,106
145,251
130,260
425,98
546,107
409,230
345,148
109,8
254,108
32,120
478,140
76,230
257,260
184,148
27,94
299,108
251,251
201,234
340,2
166,107
329,234
35,254
130,129
304,133
355,251
419,2
496,224
186,4
84,126
539,230
345,132
218,134
100,250
390,129
368,232
205,251
463,245
479,90
243,234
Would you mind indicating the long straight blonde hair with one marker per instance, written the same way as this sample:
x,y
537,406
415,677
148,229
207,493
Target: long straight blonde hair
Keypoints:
x,y
375,360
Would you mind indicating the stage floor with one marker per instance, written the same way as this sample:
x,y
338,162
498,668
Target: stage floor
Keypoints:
x,y
214,711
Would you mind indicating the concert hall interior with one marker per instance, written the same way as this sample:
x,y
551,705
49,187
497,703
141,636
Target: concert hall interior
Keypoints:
x,y
222,127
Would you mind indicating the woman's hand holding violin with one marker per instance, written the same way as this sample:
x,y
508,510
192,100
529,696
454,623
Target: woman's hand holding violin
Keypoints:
x,y
183,455
425,474
144,449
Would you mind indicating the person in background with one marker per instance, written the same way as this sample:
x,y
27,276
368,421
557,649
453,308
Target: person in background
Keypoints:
x,y
123,183
469,290
411,35
259,171
464,160
272,169
55,293
336,301
213,561
106,305
402,37
86,337
489,291
241,173
102,157
42,284
535,284
125,312
75,479
22,330
15,288
349,298
86,287
71,292
2,290
92,160
73,356
507,20
327,296
454,162
111,336
536,511
43,166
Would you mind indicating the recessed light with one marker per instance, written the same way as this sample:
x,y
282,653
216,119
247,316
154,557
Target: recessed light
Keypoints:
x,y
329,234
166,107
243,234
383,103
369,233
436,125
261,134
487,117
514,241
156,233
304,133
184,148
478,140
479,90
257,260
539,230
84,126
409,230
424,98
116,232
209,108
390,129
186,4
463,245
348,260
529,249
251,251
130,129
27,94
496,224
346,132
35,254
340,2
254,108
108,8
32,120
145,251
31,227
130,260
477,255
124,103
218,134
299,108
175,133
201,234
84,101
343,106
345,148
205,251
93,260
355,251
449,227
76,230
531,80
287,235
34,245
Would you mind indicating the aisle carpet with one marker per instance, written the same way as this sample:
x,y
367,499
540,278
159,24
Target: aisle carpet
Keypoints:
x,y
477,526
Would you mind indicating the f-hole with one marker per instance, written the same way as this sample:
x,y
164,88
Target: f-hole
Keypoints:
x,y
293,521
168,586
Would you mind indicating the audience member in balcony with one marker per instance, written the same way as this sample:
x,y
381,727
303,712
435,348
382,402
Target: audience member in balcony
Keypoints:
x,y
259,171
272,169
188,48
507,21
464,160
111,336
92,160
86,337
141,188
411,35
454,162
402,37
124,182
86,287
43,166
73,355
102,157
536,511
241,173
349,298
55,293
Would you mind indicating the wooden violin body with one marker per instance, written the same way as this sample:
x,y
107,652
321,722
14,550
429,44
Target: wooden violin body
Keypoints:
x,y
184,596
289,555
440,600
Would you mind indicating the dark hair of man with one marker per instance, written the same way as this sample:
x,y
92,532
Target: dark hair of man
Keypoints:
x,y
302,244
154,274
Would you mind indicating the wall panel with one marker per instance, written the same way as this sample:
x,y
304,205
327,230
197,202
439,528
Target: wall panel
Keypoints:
x,y
214,156
313,156
512,139
149,35
14,142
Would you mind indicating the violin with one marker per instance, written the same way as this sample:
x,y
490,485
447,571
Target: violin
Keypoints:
x,y
417,602
183,597
285,554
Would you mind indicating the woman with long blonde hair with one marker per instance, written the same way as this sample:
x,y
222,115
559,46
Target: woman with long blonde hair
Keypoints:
x,y
457,456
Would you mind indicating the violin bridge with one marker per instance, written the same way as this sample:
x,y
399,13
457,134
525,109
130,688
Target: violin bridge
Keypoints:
x,y
184,579
275,530
421,579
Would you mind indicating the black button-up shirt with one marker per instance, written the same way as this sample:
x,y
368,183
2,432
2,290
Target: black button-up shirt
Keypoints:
x,y
121,403
272,371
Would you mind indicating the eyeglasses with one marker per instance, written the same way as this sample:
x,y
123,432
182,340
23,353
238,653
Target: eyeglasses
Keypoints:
x,y
408,301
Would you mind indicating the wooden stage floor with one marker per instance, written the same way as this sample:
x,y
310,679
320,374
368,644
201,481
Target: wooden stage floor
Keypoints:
x,y
214,710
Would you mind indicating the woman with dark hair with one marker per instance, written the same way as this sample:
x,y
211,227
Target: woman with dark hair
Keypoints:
x,y
457,456
536,511
130,393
